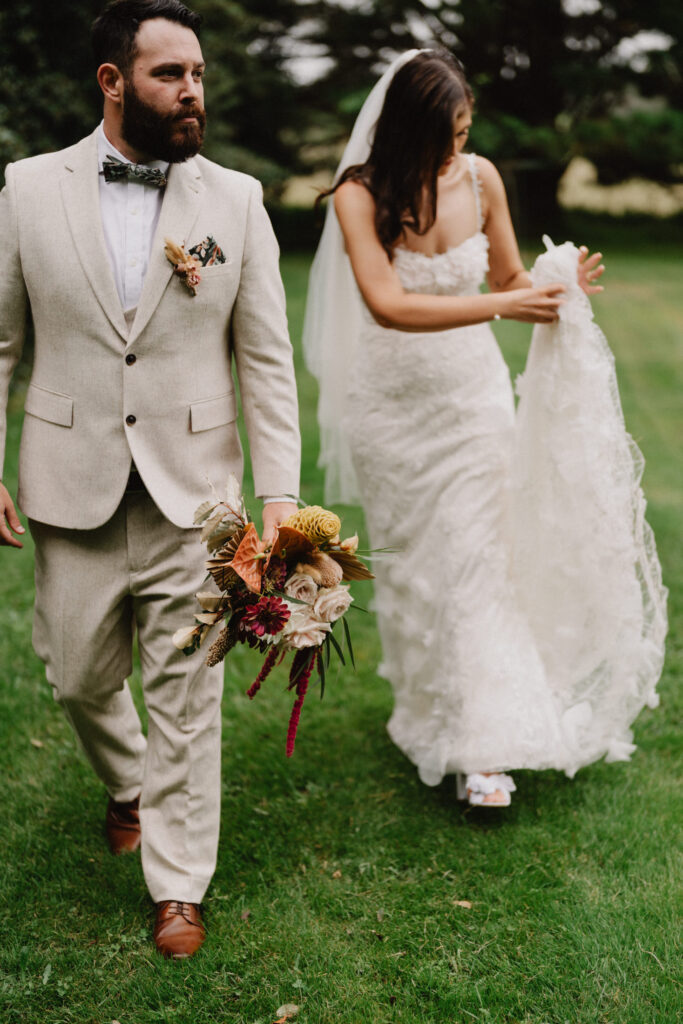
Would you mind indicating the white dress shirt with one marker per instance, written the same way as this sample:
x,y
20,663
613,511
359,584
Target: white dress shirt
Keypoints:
x,y
130,213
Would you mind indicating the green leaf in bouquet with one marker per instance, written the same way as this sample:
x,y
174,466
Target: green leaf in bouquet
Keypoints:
x,y
321,672
335,644
347,634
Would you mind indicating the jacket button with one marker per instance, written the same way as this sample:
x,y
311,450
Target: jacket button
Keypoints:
x,y
130,420
131,358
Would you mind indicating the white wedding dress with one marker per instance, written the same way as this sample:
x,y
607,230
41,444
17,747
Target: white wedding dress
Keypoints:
x,y
522,618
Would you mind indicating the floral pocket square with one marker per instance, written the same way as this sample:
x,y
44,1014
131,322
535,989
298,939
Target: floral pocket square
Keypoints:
x,y
208,253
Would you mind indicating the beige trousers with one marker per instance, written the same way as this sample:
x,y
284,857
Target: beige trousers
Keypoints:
x,y
94,590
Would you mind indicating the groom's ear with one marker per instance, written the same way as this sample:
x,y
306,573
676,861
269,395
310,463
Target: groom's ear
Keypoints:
x,y
110,81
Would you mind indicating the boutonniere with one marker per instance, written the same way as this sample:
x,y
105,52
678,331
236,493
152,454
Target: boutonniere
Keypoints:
x,y
184,265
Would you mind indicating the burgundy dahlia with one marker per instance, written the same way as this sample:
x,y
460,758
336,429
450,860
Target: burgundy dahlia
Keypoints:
x,y
269,615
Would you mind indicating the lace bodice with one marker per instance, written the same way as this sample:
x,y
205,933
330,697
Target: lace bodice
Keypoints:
x,y
460,270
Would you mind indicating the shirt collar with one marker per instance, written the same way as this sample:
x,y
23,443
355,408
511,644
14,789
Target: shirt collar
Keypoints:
x,y
106,149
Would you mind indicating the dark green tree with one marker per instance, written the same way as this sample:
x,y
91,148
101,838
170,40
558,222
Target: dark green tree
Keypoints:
x,y
49,97
552,79
255,117
549,82
48,93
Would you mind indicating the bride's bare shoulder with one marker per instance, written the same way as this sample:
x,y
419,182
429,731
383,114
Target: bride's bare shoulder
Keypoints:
x,y
353,198
489,176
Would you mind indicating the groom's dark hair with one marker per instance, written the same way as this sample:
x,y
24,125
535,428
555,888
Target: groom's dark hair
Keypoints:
x,y
114,31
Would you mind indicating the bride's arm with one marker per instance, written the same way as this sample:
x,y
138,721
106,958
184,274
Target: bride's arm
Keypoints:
x,y
392,306
506,270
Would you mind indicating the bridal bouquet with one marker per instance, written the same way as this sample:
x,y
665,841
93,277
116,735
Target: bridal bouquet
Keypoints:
x,y
278,599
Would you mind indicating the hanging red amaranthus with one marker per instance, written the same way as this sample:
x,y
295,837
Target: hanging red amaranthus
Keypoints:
x,y
271,658
299,676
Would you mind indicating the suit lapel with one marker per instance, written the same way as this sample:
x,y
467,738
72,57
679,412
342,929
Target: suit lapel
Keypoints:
x,y
81,197
179,210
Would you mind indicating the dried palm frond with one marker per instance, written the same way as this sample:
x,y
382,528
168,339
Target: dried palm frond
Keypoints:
x,y
352,567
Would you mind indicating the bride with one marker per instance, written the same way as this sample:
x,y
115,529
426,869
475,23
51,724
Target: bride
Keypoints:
x,y
418,421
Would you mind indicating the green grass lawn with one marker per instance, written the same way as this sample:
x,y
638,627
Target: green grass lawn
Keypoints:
x,y
343,884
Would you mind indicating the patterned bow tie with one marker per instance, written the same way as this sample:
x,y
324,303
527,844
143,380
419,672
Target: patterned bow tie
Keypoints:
x,y
117,170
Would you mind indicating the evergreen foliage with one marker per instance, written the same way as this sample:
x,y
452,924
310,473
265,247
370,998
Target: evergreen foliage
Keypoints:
x,y
553,78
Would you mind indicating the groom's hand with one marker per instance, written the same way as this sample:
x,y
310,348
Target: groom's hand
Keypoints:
x,y
274,513
9,520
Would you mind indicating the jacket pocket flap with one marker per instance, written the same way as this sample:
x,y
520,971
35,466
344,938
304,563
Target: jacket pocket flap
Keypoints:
x,y
216,270
49,405
213,412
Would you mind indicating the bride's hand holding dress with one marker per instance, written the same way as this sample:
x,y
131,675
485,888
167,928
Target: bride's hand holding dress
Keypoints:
x,y
395,306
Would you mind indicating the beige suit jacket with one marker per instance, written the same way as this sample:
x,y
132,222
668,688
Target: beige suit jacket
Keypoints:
x,y
78,440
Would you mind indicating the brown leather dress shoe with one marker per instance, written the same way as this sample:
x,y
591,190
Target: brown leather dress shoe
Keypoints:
x,y
178,930
122,825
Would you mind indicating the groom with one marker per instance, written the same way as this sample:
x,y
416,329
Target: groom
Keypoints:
x,y
131,410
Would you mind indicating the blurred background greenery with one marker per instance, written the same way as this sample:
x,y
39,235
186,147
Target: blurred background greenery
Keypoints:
x,y
555,80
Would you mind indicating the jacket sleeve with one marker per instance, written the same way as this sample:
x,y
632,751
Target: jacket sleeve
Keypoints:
x,y
263,358
13,301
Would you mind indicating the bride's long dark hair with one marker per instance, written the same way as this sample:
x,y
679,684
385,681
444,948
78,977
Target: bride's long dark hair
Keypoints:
x,y
413,139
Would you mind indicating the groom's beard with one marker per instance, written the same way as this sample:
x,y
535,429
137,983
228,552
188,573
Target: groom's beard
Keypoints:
x,y
163,137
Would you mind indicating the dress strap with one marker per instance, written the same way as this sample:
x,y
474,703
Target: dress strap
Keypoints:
x,y
476,188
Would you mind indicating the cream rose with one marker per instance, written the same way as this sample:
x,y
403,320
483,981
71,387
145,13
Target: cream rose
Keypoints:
x,y
301,587
331,603
304,629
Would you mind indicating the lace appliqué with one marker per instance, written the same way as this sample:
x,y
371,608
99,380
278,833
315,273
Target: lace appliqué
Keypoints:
x,y
458,271
517,631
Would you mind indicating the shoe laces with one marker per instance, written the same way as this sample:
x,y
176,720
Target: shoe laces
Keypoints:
x,y
177,907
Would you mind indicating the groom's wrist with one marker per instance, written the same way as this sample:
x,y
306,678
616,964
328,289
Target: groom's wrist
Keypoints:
x,y
270,499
